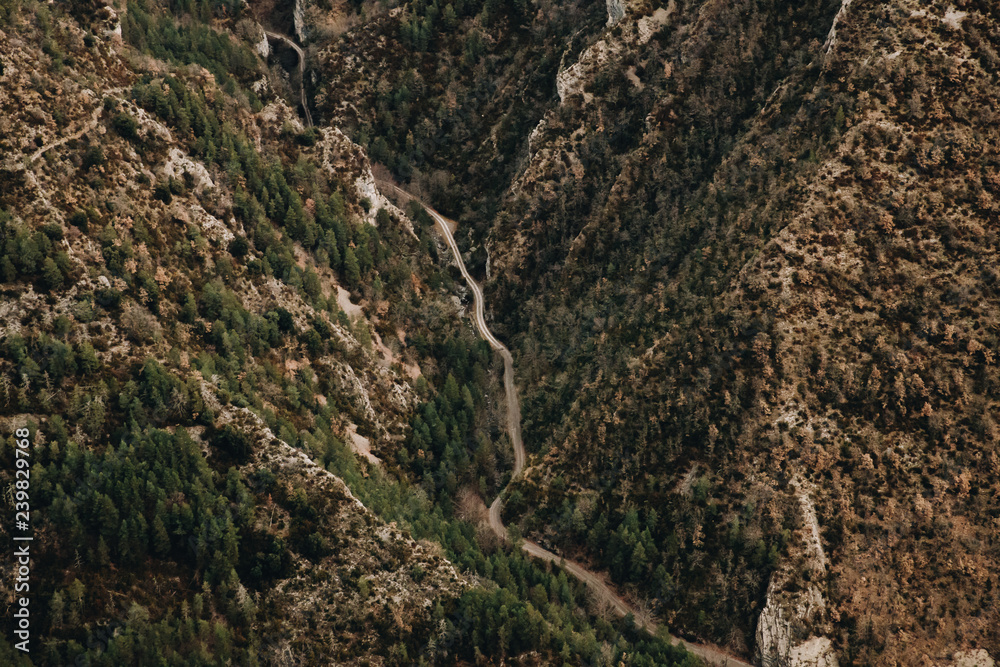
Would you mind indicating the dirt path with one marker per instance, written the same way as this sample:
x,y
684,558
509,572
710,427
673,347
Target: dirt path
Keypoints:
x,y
594,581
809,517
88,126
95,117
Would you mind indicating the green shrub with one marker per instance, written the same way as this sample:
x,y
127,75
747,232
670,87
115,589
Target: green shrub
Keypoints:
x,y
161,191
309,137
126,126
80,219
93,156
233,442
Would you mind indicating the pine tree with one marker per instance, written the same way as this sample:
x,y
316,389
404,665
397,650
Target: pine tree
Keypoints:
x,y
7,270
87,360
639,563
468,403
336,263
124,545
230,545
161,540
311,284
103,554
352,271
451,392
107,515
76,592
449,18
51,275
362,251
57,607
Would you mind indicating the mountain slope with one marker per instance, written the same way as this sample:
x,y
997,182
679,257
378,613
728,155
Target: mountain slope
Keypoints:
x,y
793,322
741,254
177,350
260,428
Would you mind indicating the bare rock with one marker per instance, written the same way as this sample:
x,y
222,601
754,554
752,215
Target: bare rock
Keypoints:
x,y
616,10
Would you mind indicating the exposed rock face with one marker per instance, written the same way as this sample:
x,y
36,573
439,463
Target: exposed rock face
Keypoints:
x,y
571,79
211,226
254,33
111,20
263,48
616,10
832,36
795,605
337,150
299,18
178,164
783,622
974,658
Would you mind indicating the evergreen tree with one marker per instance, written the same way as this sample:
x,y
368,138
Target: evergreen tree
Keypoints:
x,y
7,270
57,606
75,594
161,540
86,357
51,275
449,18
351,270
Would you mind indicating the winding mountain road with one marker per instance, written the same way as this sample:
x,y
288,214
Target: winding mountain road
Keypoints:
x,y
596,583
302,70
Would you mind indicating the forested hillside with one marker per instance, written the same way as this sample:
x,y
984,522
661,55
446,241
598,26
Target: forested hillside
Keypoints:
x,y
261,431
742,251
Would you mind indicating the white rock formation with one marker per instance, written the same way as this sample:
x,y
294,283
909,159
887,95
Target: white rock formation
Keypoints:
x,y
178,164
278,113
814,652
299,19
831,37
572,79
953,18
253,33
365,183
616,10
261,86
648,26
262,47
211,226
150,126
111,21
338,153
974,658
787,625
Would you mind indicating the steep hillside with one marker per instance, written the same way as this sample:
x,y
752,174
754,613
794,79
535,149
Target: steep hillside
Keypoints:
x,y
742,251
795,318
175,257
260,430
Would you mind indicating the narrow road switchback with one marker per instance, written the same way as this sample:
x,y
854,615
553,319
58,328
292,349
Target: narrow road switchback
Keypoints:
x,y
302,70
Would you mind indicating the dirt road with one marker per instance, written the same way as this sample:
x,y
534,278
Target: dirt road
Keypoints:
x,y
594,581
302,71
